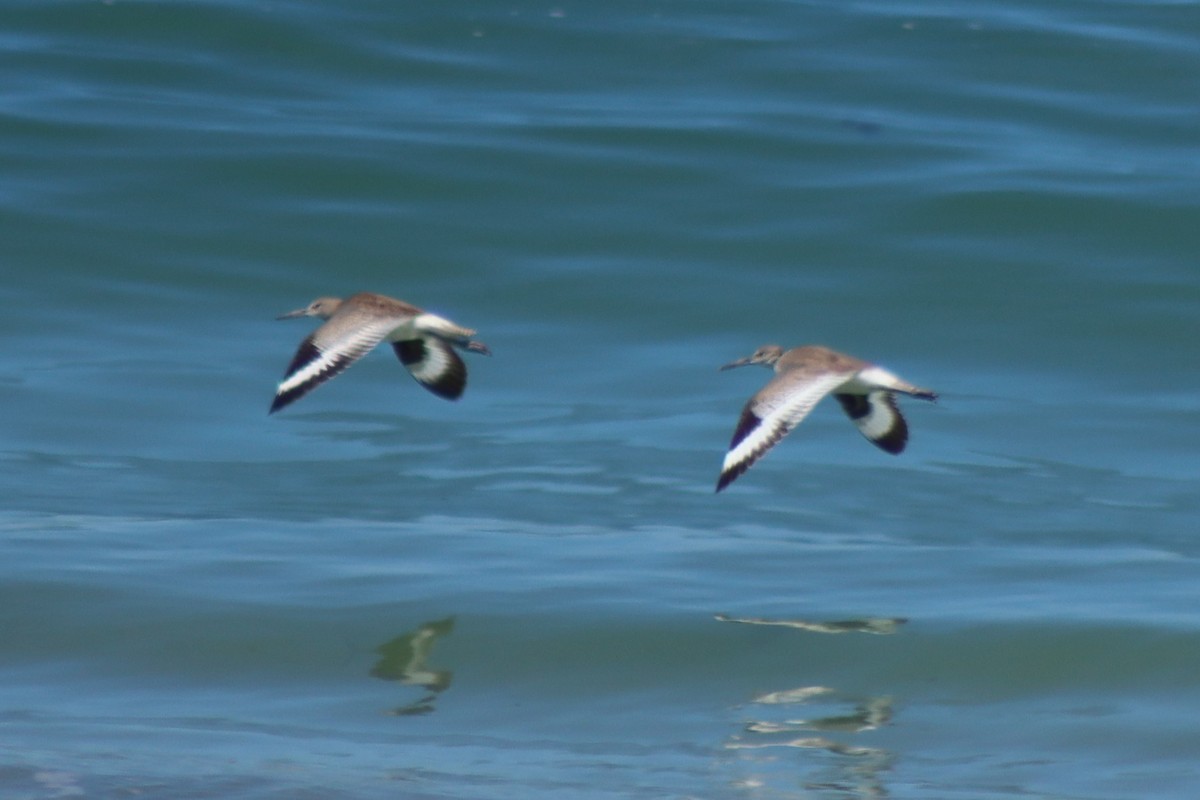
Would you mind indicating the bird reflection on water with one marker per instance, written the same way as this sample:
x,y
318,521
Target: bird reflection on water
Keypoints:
x,y
404,659
877,625
774,726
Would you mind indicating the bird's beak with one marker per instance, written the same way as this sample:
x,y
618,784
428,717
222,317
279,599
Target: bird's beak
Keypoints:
x,y
299,312
741,362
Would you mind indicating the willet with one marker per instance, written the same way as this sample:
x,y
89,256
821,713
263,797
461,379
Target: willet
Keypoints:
x,y
424,343
803,375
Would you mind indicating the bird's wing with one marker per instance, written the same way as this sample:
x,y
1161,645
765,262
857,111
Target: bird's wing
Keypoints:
x,y
434,364
325,353
878,418
770,415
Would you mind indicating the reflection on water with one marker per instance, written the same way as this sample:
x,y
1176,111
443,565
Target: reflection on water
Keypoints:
x,y
812,742
807,719
57,783
874,713
853,770
404,659
791,695
878,625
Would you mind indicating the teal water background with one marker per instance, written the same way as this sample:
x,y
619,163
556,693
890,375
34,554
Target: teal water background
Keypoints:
x,y
379,594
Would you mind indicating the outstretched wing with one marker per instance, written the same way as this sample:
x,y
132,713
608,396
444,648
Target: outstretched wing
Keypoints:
x,y
434,364
878,419
327,352
770,415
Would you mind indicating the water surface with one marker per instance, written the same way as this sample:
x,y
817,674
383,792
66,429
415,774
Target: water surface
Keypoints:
x,y
534,592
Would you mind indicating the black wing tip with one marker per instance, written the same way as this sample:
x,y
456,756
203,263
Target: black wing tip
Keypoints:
x,y
891,444
284,399
447,390
451,383
895,438
731,474
858,407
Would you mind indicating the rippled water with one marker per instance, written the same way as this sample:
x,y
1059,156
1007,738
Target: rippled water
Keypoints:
x,y
534,592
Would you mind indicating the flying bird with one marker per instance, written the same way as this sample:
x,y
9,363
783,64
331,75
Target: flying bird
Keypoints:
x,y
424,342
803,375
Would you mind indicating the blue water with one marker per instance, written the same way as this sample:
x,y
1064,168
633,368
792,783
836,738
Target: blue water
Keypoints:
x,y
534,592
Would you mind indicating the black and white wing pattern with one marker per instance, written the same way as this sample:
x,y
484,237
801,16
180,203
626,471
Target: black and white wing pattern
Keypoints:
x,y
771,414
326,353
878,418
434,364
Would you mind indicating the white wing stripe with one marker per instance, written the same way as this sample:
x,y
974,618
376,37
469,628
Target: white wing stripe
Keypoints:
x,y
308,372
350,347
755,442
785,410
879,418
435,363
